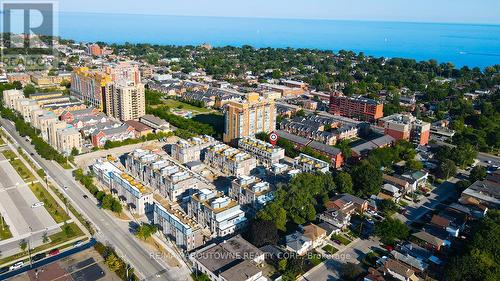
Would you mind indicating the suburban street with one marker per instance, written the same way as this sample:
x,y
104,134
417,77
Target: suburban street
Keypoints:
x,y
109,230
330,270
438,195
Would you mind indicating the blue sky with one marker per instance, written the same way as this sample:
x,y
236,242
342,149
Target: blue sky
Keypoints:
x,y
460,11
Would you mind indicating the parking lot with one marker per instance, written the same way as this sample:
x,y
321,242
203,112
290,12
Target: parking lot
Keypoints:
x,y
16,201
85,265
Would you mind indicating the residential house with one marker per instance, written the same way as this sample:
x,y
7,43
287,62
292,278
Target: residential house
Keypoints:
x,y
298,243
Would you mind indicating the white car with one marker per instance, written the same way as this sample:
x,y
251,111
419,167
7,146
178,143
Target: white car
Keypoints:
x,y
78,244
17,265
37,204
66,188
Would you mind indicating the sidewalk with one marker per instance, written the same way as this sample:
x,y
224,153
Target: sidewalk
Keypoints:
x,y
51,192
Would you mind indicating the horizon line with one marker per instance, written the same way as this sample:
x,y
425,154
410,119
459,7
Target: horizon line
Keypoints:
x,y
288,18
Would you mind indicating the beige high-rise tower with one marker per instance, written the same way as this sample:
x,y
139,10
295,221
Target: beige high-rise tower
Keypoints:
x,y
249,117
126,101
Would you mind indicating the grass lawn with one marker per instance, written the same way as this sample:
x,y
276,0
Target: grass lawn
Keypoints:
x,y
72,209
184,106
22,170
342,239
315,259
5,232
1,141
57,212
69,231
9,154
72,231
330,249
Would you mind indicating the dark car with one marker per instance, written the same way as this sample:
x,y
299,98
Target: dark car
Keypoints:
x,y
4,269
85,196
40,256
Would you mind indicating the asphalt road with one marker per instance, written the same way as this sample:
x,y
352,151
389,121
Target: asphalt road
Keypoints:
x,y
109,231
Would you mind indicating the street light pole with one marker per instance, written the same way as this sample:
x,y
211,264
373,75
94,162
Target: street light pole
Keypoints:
x,y
29,245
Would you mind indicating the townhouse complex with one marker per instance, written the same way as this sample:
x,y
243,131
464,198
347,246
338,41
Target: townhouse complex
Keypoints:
x,y
190,150
325,128
59,134
251,193
265,153
229,160
217,212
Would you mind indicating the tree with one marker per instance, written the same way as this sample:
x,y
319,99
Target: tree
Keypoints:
x,y
413,165
351,271
263,233
107,202
200,277
387,207
116,206
113,262
275,213
447,169
390,230
345,149
344,182
367,179
477,173
282,265
23,245
144,231
74,151
45,238
29,90
478,257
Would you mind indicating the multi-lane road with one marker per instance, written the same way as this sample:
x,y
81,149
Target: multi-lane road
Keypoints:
x,y
109,231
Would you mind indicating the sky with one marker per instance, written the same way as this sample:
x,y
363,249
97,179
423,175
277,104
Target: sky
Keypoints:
x,y
449,11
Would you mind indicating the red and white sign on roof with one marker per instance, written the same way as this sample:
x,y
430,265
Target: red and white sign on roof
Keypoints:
x,y
273,138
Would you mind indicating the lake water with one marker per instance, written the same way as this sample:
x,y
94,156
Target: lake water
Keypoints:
x,y
461,44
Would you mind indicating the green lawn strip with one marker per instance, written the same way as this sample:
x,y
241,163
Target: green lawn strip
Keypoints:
x,y
342,239
5,231
9,154
55,240
175,104
57,212
22,170
72,209
1,141
330,249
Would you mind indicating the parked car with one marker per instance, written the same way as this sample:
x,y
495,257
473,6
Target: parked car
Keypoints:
x,y
17,265
37,204
78,244
40,256
54,252
66,187
85,196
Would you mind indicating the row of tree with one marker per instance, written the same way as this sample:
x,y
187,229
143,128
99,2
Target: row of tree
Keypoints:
x,y
107,201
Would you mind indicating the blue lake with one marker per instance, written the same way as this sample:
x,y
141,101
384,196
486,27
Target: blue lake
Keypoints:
x,y
461,44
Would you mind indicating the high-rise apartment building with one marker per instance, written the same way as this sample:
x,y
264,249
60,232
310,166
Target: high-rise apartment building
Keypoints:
x,y
90,86
126,100
116,89
356,107
248,117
